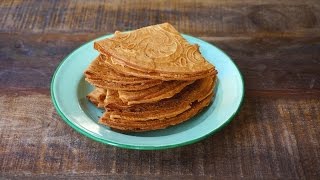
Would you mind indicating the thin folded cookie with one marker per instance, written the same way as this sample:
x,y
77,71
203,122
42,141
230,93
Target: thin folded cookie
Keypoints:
x,y
97,97
119,66
165,108
144,117
139,126
101,75
153,94
159,51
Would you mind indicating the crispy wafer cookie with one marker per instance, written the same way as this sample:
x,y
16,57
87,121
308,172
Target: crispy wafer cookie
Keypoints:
x,y
158,49
97,97
101,75
153,94
149,79
138,126
165,112
118,66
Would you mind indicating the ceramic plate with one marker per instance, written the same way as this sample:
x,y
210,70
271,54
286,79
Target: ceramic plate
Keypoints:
x,y
69,90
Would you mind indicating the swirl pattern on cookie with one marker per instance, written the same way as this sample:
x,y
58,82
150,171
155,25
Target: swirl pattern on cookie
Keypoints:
x,y
159,48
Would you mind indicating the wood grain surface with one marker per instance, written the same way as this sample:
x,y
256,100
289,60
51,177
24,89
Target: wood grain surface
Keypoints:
x,y
276,134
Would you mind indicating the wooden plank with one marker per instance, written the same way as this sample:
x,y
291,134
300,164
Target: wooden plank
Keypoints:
x,y
273,63
205,18
273,137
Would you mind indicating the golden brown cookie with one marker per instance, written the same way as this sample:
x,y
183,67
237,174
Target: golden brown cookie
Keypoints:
x,y
124,69
101,75
97,97
165,90
143,117
159,50
139,126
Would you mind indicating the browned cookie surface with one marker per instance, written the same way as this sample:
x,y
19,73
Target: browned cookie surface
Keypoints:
x,y
138,126
156,49
124,68
165,90
101,75
160,114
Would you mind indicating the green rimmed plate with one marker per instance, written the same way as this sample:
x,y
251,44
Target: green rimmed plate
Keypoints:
x,y
69,90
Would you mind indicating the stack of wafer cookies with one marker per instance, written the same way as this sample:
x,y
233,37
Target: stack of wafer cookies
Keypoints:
x,y
149,79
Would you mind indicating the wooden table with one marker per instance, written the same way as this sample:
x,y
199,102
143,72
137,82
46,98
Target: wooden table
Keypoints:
x,y
276,45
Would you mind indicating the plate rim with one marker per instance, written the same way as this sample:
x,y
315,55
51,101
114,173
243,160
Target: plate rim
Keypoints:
x,y
126,146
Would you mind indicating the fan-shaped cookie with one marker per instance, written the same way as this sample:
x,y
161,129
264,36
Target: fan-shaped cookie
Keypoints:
x,y
101,75
156,49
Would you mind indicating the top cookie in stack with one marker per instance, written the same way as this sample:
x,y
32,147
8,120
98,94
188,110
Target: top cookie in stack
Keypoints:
x,y
155,52
149,79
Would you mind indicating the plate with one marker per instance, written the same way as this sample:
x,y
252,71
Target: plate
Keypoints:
x,y
69,90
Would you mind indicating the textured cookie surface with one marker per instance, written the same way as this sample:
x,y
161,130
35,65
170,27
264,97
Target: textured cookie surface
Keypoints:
x,y
159,48
101,75
150,78
161,114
